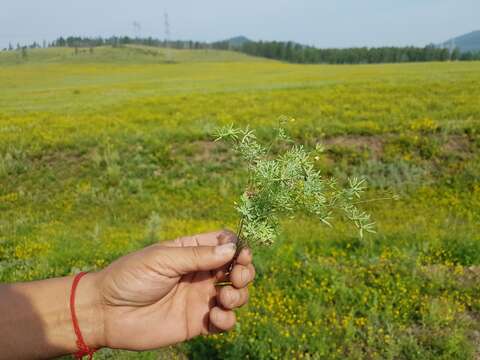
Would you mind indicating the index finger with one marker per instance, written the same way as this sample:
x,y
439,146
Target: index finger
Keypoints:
x,y
207,239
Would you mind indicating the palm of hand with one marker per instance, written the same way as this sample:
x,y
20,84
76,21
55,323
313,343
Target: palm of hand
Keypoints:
x,y
150,303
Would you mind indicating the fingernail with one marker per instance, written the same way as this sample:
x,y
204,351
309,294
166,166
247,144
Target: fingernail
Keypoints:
x,y
221,236
227,236
225,249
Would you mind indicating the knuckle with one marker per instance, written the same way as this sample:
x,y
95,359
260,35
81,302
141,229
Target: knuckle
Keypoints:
x,y
253,272
243,297
215,317
246,295
223,296
232,297
237,276
246,275
229,297
196,255
180,241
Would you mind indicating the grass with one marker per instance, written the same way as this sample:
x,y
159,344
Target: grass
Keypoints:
x,y
125,54
95,148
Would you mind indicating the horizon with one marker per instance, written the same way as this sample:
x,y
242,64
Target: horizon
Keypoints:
x,y
39,42
347,24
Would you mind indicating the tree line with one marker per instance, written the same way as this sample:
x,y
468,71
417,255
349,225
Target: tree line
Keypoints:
x,y
278,50
297,53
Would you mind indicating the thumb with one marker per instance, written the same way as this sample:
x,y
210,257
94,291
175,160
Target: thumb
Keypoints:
x,y
184,260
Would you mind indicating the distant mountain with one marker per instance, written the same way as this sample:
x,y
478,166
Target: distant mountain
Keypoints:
x,y
237,41
467,42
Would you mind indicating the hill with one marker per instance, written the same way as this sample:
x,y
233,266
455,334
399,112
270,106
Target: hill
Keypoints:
x,y
134,54
467,42
237,41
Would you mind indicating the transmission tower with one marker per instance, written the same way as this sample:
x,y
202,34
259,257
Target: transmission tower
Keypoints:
x,y
167,37
137,29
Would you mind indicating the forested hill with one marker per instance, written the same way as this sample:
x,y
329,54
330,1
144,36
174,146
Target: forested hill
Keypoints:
x,y
296,53
465,43
278,50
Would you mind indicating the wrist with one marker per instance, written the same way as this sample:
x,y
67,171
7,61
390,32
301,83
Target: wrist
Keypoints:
x,y
40,312
90,311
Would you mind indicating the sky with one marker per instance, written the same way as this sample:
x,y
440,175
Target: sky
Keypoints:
x,y
322,23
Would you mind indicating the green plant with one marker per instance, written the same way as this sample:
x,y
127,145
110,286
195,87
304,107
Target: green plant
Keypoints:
x,y
288,183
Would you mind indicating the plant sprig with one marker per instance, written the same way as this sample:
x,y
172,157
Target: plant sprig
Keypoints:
x,y
286,184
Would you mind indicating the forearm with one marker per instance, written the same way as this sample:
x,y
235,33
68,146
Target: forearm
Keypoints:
x,y
35,320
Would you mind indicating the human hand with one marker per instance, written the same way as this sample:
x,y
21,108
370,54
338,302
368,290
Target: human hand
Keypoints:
x,y
166,293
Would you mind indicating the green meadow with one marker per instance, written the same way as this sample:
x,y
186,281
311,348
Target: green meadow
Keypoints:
x,y
105,152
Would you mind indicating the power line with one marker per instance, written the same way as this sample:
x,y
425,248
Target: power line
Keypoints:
x,y
167,36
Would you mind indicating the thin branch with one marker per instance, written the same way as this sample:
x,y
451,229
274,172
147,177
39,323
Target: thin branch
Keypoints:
x,y
373,200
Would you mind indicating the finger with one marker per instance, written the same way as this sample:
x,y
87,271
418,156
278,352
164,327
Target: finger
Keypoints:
x,y
231,298
241,275
177,261
222,273
245,257
222,320
226,236
208,239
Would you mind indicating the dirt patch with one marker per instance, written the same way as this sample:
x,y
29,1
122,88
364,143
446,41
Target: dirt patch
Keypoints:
x,y
202,151
205,150
62,157
457,144
470,276
374,143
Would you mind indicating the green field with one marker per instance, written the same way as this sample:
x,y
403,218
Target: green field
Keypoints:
x,y
104,153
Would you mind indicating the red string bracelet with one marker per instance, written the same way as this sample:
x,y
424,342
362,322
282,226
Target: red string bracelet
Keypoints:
x,y
83,349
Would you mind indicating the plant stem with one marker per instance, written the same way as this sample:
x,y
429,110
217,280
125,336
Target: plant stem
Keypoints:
x,y
241,243
372,200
